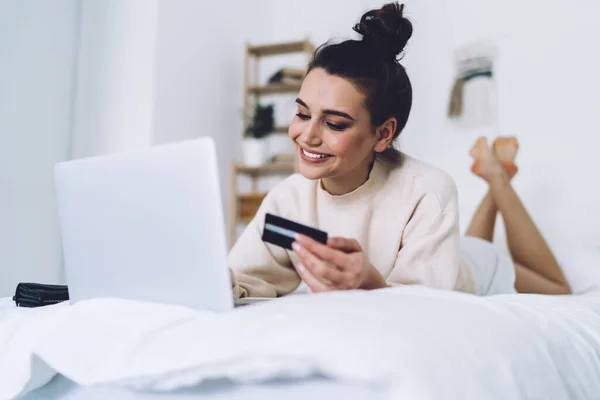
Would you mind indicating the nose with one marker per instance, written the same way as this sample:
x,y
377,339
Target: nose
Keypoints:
x,y
311,134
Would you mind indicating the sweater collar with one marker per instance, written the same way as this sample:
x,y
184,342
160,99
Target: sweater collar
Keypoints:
x,y
362,193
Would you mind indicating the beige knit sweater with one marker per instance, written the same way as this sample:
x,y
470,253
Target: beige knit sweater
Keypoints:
x,y
405,217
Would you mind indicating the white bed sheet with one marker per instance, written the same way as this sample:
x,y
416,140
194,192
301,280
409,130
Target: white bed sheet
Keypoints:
x,y
61,388
407,342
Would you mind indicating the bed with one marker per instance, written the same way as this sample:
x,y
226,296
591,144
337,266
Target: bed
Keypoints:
x,y
398,343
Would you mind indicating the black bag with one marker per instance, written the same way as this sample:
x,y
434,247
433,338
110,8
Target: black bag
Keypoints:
x,y
38,294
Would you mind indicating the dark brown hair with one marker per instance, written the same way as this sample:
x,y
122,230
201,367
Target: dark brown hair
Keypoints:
x,y
372,63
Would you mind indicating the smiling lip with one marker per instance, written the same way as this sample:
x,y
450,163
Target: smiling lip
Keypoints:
x,y
313,160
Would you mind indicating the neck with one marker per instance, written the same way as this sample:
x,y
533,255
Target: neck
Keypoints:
x,y
340,185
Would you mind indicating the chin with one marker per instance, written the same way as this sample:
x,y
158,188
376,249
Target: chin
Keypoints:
x,y
313,172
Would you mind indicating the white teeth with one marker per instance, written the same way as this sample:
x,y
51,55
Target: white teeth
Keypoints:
x,y
313,155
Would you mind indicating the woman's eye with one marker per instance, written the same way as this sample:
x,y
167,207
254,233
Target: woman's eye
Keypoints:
x,y
303,117
337,127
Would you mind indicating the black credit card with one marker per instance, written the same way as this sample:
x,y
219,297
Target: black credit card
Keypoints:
x,y
280,231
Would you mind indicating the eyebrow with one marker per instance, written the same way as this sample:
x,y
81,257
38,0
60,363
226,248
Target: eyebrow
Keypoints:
x,y
329,112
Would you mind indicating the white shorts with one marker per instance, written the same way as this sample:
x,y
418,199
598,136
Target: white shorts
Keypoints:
x,y
493,270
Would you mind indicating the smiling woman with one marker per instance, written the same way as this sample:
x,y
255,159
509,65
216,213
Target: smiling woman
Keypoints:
x,y
333,132
391,219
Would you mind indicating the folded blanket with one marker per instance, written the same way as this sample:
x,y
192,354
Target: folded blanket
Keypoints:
x,y
418,343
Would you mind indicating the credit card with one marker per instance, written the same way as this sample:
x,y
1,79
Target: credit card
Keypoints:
x,y
280,231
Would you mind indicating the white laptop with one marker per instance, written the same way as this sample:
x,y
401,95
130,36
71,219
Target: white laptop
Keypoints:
x,y
146,225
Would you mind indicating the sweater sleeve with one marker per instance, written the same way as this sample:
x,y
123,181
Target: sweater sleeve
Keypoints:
x,y
260,269
430,246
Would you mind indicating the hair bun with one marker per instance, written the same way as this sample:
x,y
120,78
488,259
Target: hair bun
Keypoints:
x,y
386,29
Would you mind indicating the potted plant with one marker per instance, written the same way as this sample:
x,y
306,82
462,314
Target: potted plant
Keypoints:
x,y
260,126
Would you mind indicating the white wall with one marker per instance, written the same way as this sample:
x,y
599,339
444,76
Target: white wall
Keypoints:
x,y
334,19
547,94
37,47
115,76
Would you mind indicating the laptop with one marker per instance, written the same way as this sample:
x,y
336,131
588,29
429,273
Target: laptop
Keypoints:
x,y
146,225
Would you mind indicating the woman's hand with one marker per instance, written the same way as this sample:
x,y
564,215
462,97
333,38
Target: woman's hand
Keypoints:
x,y
339,265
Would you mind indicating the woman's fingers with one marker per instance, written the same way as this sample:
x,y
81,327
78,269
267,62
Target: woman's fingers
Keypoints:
x,y
322,251
343,244
313,283
318,267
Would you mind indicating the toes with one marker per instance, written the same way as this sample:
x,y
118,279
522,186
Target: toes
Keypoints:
x,y
479,147
506,148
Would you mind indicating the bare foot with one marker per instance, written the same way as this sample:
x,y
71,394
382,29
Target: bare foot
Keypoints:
x,y
486,164
506,149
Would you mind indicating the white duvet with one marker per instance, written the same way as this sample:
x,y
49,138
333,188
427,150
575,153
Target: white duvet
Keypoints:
x,y
417,343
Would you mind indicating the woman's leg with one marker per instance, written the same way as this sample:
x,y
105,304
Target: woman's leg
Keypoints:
x,y
483,222
536,267
529,281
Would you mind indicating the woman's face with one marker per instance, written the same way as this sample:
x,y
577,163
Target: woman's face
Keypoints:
x,y
332,129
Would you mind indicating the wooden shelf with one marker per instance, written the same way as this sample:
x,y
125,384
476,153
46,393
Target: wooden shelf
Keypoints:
x,y
280,48
282,129
279,168
275,88
249,203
